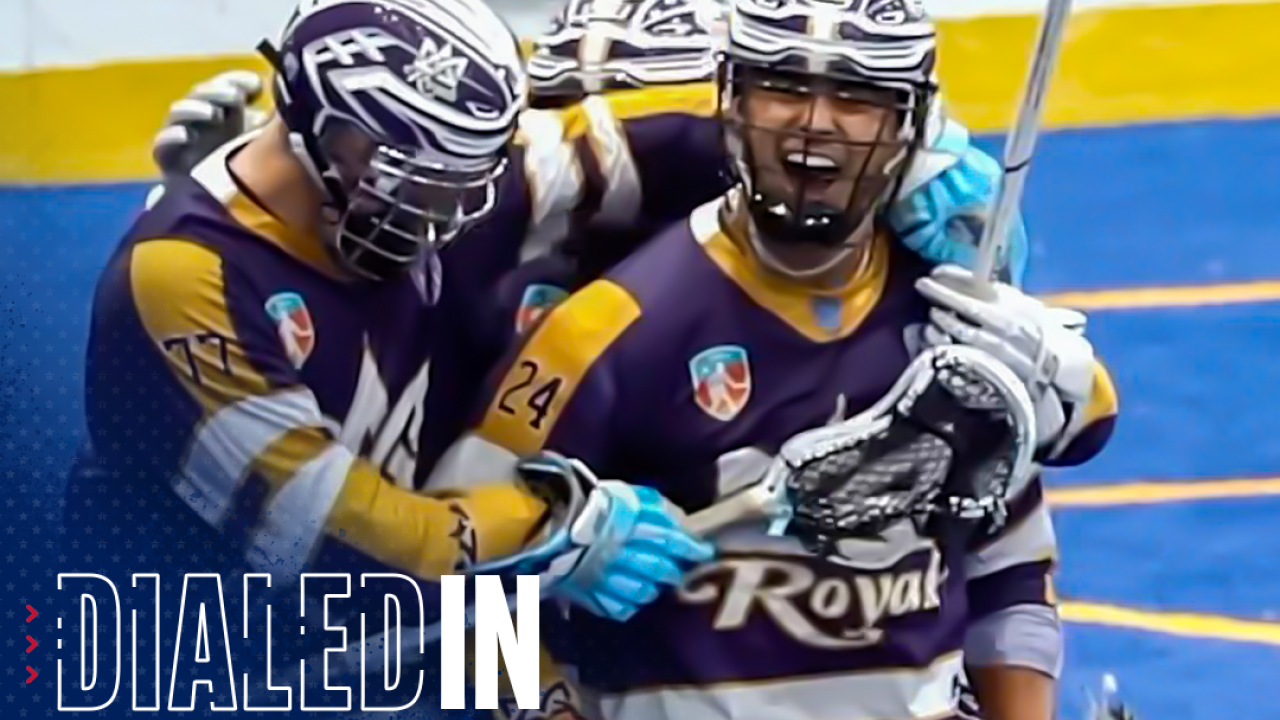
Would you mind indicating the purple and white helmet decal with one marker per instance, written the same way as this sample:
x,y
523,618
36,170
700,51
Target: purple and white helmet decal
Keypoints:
x,y
436,85
600,45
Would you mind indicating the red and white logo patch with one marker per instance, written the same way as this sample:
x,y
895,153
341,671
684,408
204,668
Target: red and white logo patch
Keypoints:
x,y
721,381
294,325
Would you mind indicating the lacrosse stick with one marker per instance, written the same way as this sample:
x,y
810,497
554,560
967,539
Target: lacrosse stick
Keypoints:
x,y
937,444
854,478
1020,144
763,500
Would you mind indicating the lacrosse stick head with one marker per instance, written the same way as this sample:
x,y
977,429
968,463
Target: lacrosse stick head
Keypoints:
x,y
948,443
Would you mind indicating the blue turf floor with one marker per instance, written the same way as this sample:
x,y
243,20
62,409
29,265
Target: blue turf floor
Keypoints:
x,y
1149,205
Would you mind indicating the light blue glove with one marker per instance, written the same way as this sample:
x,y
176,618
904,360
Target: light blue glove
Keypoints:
x,y
610,548
940,215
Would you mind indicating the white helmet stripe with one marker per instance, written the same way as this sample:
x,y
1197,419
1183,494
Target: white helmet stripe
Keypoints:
x,y
601,44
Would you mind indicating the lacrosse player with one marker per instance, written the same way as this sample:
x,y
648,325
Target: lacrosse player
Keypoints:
x,y
637,76
263,338
718,352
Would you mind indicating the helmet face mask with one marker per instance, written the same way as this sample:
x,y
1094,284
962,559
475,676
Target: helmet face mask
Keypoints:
x,y
403,112
823,109
818,154
393,208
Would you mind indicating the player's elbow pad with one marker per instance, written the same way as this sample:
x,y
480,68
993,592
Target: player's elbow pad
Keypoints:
x,y
1080,444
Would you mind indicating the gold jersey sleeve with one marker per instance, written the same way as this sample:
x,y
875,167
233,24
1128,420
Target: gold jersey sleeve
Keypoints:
x,y
254,421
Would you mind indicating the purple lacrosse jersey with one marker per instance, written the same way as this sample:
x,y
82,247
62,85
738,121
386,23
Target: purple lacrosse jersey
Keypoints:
x,y
685,368
604,176
233,367
588,184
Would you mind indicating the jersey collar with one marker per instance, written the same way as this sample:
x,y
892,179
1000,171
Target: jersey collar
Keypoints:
x,y
820,315
214,174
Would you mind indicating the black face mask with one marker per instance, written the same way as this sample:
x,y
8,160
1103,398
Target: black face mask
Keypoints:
x,y
781,190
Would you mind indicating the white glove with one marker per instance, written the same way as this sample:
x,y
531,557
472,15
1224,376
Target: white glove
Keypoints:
x,y
213,113
1045,347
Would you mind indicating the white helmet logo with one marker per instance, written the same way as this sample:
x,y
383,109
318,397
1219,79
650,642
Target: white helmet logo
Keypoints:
x,y
436,71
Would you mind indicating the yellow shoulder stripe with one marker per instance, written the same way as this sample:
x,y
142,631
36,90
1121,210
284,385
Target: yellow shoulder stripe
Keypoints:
x,y
697,99
180,296
799,306
541,380
1104,402
306,247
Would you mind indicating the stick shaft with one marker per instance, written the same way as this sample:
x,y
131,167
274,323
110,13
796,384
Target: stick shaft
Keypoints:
x,y
751,504
1021,143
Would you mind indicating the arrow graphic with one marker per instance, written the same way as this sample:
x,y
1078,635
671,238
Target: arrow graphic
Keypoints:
x,y
33,643
34,674
33,614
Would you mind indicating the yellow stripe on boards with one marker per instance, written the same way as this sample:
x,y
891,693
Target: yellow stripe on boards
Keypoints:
x,y
1183,624
94,123
1118,65
1173,296
1153,493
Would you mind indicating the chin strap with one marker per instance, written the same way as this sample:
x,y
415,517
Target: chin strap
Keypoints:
x,y
771,261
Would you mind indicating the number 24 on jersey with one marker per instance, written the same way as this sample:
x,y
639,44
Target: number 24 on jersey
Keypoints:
x,y
528,394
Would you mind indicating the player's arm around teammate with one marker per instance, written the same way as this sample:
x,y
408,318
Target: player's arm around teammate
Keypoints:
x,y
569,385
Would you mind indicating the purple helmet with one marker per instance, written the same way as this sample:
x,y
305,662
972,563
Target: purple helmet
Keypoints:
x,y
601,45
435,85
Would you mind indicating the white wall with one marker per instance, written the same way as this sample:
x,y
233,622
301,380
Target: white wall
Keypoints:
x,y
37,33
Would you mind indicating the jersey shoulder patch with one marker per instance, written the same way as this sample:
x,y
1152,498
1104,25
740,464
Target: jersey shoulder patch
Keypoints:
x,y
553,362
721,377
